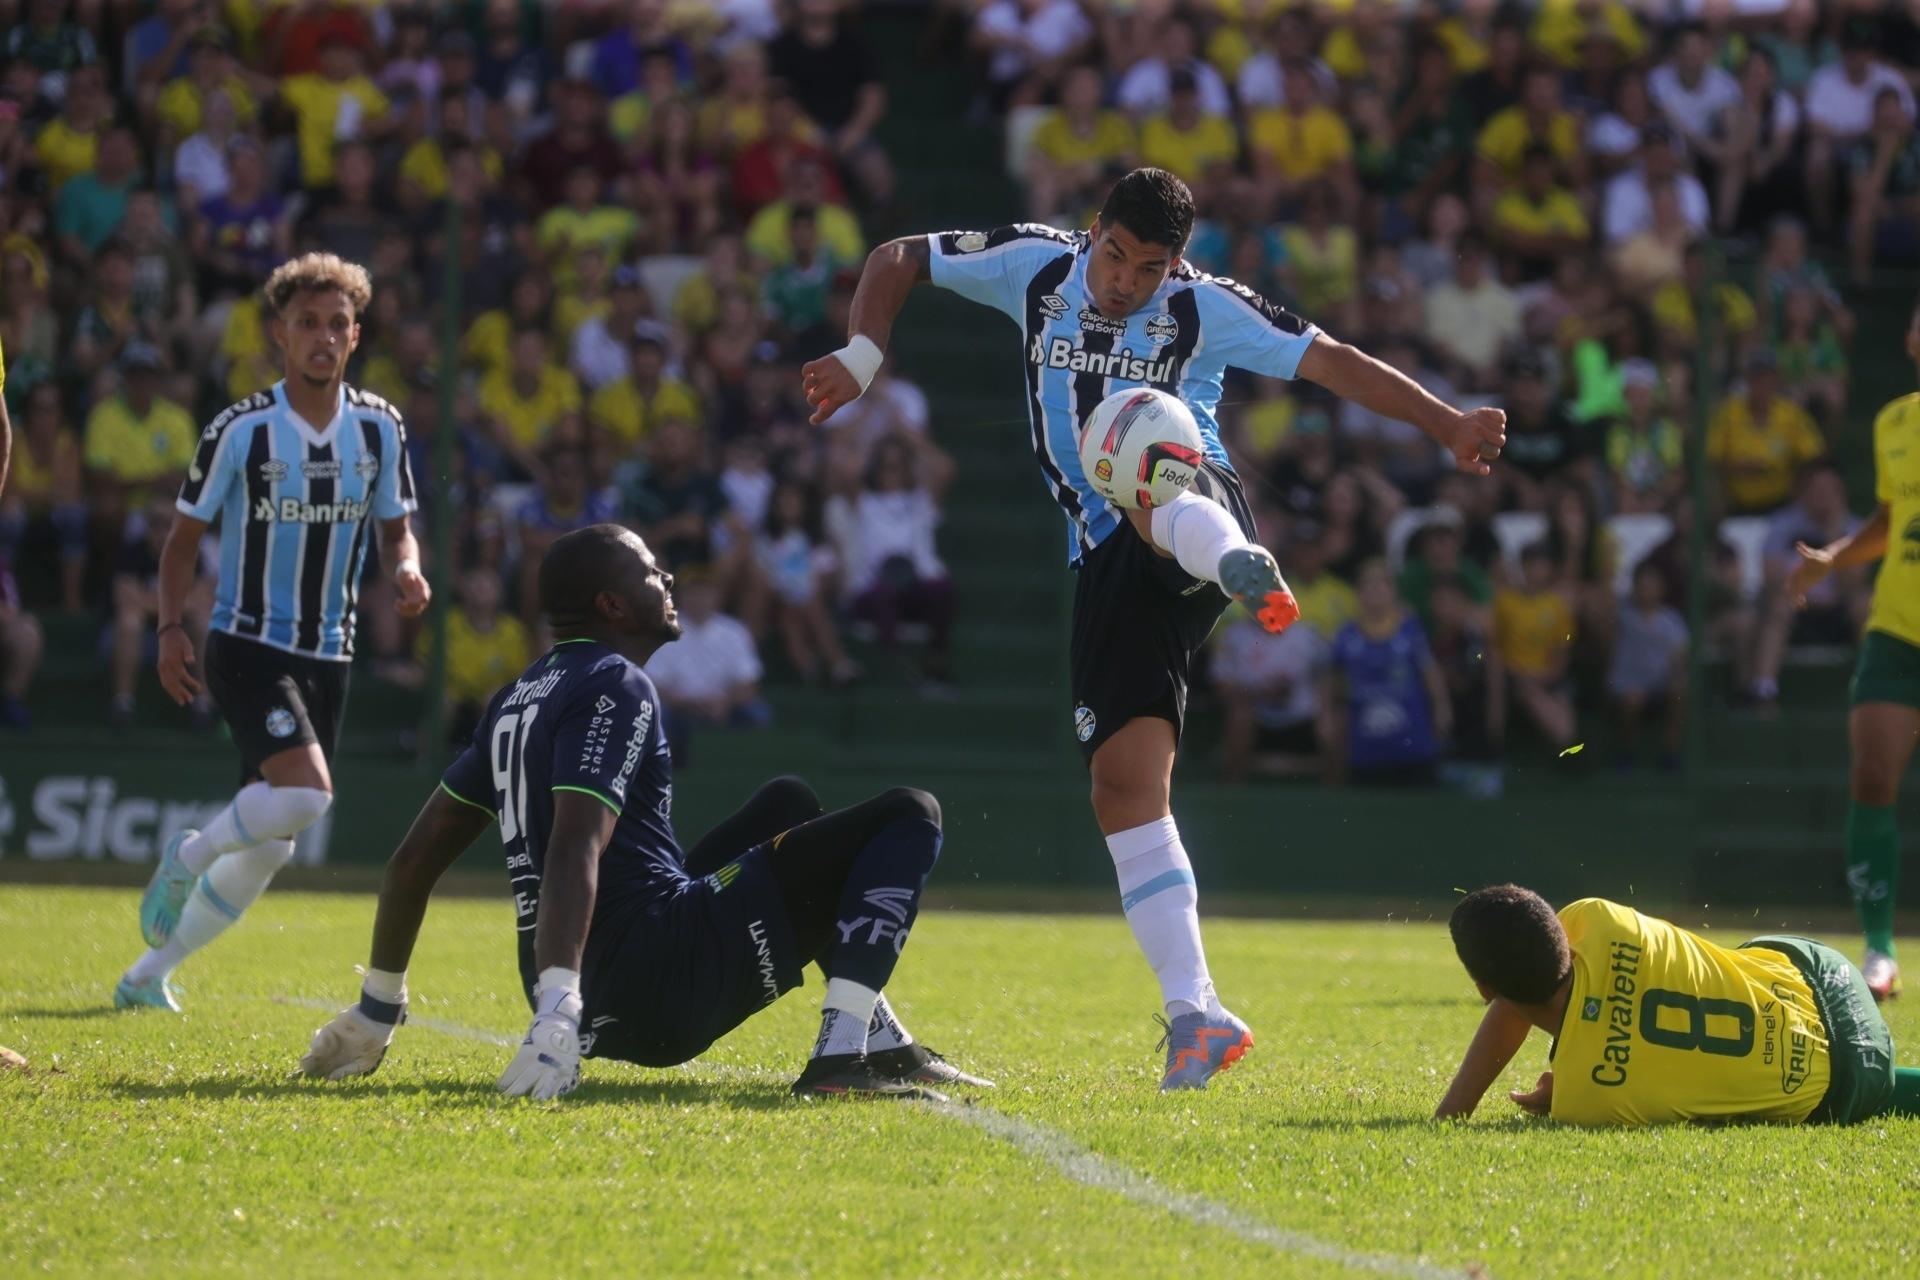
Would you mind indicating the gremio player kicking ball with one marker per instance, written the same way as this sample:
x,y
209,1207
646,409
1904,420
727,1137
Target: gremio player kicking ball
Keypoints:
x,y
1101,310
294,474
628,949
1653,1024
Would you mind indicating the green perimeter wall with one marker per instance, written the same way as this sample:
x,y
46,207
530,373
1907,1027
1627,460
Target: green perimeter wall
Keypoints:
x,y
1650,841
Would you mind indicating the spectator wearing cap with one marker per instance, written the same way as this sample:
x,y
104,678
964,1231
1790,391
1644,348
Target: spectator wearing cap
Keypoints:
x,y
136,439
1147,85
598,352
1690,89
767,235
1185,141
1301,142
335,104
835,77
1841,110
1643,446
1758,439
1538,119
1026,43
1627,207
1472,318
628,408
1076,148
1538,222
529,400
68,144
1883,169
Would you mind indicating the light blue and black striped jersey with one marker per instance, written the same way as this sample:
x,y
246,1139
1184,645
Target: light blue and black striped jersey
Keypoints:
x,y
293,504
1180,342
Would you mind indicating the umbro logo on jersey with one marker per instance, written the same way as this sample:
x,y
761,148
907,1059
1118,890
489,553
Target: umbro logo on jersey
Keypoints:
x,y
1054,305
294,511
273,470
1092,321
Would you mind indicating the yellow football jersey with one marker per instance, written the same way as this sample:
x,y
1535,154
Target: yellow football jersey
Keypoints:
x,y
1896,462
1663,1026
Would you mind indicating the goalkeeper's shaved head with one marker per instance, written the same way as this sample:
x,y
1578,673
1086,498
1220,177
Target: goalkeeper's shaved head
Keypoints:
x,y
1511,943
602,583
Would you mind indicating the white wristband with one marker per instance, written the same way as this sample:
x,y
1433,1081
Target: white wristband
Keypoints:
x,y
861,357
405,565
553,987
385,984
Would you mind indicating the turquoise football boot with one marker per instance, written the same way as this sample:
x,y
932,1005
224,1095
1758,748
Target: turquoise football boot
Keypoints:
x,y
166,893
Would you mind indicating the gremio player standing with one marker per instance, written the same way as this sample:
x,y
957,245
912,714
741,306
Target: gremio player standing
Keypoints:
x,y
1654,1025
628,948
295,474
1101,310
1885,721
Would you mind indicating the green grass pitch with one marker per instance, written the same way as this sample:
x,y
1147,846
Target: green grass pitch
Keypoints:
x,y
142,1143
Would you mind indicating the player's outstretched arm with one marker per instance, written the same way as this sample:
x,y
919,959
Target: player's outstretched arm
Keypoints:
x,y
1474,438
548,1063
1502,1031
356,1040
888,277
1863,546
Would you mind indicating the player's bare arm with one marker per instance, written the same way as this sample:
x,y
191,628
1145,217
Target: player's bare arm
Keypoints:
x,y
1502,1031
354,1043
1473,438
177,559
399,548
888,277
1863,546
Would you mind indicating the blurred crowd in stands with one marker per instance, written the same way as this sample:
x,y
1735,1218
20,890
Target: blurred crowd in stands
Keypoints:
x,y
1517,205
662,216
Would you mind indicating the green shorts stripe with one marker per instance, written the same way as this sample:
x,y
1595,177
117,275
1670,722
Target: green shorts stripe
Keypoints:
x,y
1859,1045
1888,670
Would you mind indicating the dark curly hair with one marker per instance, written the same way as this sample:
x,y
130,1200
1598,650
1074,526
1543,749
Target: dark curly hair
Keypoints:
x,y
1510,940
1153,205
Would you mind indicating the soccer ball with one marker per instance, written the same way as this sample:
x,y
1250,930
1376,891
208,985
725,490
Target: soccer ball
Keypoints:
x,y
1140,448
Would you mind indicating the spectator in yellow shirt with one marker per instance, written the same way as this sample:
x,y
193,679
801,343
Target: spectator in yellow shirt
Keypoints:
x,y
1075,149
337,105
627,409
67,143
1183,140
1538,119
423,169
136,441
182,102
529,399
1533,634
767,236
1758,440
1302,141
1562,28
1538,222
485,649
488,341
582,221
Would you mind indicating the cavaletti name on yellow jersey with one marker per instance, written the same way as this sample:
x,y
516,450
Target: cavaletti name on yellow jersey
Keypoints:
x,y
1896,461
1664,1026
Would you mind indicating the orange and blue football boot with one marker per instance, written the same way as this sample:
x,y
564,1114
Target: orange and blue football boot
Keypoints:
x,y
1200,1046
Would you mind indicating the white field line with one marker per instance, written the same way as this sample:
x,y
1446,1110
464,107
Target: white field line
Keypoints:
x,y
1071,1161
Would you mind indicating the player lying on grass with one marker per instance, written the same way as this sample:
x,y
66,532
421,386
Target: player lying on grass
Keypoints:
x,y
1100,310
1653,1024
628,948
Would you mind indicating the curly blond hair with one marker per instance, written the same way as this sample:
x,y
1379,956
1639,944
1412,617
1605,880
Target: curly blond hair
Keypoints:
x,y
315,272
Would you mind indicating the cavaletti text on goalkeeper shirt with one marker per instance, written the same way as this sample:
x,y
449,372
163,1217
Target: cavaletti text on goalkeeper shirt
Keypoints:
x,y
1624,966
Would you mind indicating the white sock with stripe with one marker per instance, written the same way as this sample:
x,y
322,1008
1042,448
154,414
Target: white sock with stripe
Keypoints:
x,y
228,888
885,1030
260,814
1163,910
845,1012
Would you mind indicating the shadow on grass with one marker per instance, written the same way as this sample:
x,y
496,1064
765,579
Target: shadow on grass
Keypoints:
x,y
1393,1124
68,1015
759,1097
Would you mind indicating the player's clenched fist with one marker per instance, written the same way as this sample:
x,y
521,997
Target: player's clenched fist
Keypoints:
x,y
351,1045
548,1064
840,377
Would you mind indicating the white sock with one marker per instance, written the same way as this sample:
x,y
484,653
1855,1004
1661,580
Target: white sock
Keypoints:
x,y
260,813
228,888
885,1031
1162,906
1197,531
844,1015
